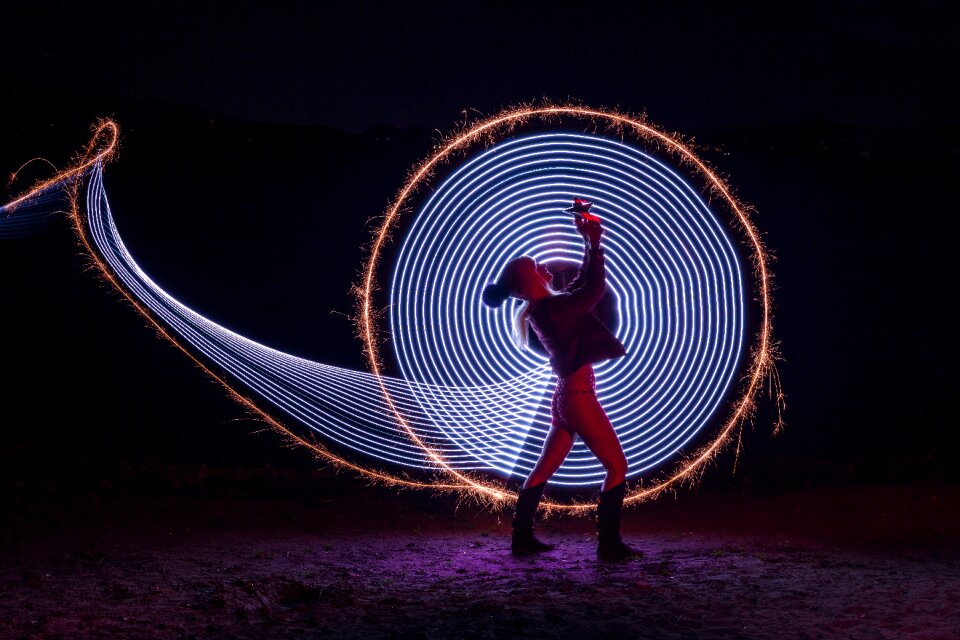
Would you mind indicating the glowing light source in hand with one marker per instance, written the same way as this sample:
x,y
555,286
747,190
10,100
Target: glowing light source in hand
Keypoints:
x,y
673,270
496,128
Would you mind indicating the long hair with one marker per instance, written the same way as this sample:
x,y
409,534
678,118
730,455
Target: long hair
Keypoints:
x,y
496,293
521,326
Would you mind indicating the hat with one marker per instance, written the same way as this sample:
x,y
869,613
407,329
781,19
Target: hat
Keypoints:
x,y
579,206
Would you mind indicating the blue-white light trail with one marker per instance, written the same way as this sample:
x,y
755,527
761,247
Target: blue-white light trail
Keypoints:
x,y
340,405
24,221
469,400
671,266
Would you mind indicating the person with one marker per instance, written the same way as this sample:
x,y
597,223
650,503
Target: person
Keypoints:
x,y
574,339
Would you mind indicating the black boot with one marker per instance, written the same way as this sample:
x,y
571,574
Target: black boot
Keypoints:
x,y
609,509
524,542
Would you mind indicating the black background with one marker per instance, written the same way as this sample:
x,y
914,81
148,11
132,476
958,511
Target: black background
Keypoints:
x,y
258,143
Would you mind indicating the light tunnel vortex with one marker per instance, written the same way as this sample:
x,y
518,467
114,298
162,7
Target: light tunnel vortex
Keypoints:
x,y
672,269
468,401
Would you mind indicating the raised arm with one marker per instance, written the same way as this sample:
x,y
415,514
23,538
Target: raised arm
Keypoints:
x,y
588,287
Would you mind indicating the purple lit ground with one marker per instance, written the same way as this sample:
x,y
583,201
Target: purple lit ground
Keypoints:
x,y
343,560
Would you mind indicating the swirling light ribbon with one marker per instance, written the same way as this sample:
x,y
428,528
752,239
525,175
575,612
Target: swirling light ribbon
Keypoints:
x,y
470,405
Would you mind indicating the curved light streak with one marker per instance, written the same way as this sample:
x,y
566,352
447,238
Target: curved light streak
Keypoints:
x,y
384,419
342,405
26,213
672,268
496,128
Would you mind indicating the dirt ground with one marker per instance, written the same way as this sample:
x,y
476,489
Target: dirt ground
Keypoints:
x,y
350,561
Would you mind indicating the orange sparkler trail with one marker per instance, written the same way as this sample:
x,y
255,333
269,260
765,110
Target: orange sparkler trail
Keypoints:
x,y
762,356
103,146
97,151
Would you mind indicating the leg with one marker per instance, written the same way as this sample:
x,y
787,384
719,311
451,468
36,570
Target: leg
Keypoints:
x,y
609,544
555,449
523,542
557,445
593,426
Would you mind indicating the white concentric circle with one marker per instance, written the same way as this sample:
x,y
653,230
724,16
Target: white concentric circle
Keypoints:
x,y
675,284
672,270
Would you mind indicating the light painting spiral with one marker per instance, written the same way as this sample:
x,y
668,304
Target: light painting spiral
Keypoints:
x,y
672,270
469,409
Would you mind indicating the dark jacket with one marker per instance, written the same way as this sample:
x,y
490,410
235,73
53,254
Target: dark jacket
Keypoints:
x,y
566,326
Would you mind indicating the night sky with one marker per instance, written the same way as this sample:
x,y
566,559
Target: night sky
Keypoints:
x,y
352,66
259,142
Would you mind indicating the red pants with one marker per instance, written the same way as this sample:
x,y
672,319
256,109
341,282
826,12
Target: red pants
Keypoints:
x,y
576,412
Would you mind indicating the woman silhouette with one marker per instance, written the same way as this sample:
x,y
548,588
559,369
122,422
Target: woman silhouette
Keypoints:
x,y
574,339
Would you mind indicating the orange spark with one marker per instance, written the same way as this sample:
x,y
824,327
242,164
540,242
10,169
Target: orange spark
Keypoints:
x,y
491,129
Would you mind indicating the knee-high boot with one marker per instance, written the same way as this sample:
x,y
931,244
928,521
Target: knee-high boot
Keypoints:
x,y
523,541
609,511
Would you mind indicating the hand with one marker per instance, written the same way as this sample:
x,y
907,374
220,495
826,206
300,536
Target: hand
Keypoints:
x,y
589,229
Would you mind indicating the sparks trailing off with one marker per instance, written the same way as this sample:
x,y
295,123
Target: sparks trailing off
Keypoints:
x,y
695,371
675,283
